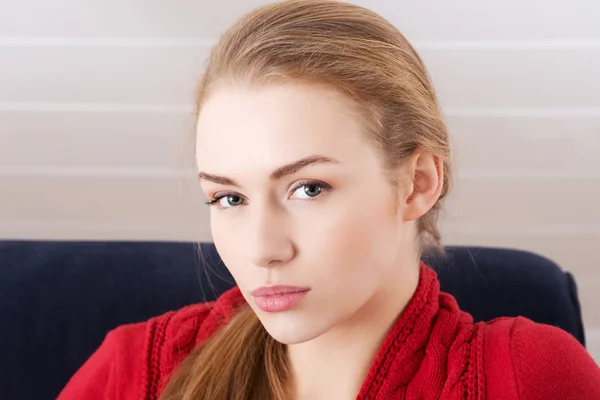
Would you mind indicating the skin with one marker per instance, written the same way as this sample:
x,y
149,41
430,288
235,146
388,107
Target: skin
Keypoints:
x,y
348,235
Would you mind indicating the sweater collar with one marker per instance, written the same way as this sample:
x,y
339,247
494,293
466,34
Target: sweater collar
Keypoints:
x,y
399,355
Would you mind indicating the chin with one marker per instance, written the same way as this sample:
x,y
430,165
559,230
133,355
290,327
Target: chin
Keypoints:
x,y
289,330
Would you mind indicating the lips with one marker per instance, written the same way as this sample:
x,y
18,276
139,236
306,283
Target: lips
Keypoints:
x,y
278,290
278,298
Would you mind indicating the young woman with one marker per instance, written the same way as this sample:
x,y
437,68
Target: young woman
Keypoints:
x,y
325,158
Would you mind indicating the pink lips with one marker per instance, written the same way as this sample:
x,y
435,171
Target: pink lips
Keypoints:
x,y
278,298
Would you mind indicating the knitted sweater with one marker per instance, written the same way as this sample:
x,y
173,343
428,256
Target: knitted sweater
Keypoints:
x,y
433,351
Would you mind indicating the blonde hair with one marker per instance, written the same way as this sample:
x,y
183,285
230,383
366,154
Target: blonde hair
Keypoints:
x,y
358,53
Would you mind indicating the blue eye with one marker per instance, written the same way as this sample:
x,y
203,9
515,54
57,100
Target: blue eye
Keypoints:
x,y
231,201
226,201
308,191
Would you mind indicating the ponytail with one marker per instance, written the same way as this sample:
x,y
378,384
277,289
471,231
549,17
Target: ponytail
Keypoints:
x,y
240,362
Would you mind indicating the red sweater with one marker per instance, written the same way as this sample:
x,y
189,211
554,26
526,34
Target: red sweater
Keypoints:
x,y
434,351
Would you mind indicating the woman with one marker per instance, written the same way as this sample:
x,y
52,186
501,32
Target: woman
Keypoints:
x,y
325,158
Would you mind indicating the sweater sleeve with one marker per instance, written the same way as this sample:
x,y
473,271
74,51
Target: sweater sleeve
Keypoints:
x,y
118,360
549,363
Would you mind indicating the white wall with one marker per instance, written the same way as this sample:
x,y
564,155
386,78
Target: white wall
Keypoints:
x,y
95,98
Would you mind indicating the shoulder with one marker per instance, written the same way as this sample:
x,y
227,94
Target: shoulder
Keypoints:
x,y
101,374
538,361
134,359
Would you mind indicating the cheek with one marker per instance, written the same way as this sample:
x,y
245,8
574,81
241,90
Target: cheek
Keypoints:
x,y
351,244
228,242
220,234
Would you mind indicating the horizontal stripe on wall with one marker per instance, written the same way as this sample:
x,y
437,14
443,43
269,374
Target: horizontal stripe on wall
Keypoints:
x,y
464,78
544,146
419,20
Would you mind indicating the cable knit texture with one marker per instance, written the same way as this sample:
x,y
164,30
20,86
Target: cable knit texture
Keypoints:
x,y
433,351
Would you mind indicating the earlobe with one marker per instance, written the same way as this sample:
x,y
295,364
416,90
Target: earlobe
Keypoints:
x,y
425,185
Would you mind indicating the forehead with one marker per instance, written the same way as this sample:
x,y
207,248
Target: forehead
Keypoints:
x,y
275,124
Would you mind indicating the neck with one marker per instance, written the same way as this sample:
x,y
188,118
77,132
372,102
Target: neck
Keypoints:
x,y
335,364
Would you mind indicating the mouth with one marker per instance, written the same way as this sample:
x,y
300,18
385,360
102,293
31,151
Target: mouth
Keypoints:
x,y
278,298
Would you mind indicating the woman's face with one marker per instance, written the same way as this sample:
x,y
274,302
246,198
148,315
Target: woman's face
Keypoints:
x,y
302,201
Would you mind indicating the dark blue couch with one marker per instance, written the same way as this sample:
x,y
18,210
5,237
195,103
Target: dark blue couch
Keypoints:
x,y
59,299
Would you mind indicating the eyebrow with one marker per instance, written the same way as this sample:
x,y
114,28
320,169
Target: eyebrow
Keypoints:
x,y
279,173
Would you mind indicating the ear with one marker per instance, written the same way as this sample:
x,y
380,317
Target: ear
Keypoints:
x,y
422,186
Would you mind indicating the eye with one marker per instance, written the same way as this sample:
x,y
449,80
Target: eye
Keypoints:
x,y
309,190
226,201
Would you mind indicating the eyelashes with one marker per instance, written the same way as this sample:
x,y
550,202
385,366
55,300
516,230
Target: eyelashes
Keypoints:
x,y
232,197
216,199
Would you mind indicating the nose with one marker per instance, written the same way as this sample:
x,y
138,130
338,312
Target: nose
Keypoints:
x,y
270,244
